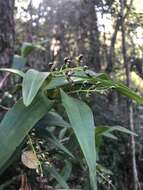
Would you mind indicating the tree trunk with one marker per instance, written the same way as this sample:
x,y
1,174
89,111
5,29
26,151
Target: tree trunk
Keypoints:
x,y
129,102
6,36
6,32
111,57
91,26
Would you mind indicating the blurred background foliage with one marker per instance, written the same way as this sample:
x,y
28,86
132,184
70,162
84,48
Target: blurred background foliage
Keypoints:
x,y
91,29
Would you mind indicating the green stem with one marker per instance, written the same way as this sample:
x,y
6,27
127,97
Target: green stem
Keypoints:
x,y
34,152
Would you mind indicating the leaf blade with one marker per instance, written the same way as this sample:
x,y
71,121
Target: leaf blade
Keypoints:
x,y
81,119
56,175
27,48
17,123
14,71
32,82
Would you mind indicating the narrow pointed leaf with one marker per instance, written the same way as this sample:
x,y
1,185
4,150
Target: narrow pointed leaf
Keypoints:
x,y
129,93
32,82
110,135
14,71
66,172
105,129
81,119
107,132
53,172
54,119
119,87
106,82
27,48
58,144
121,129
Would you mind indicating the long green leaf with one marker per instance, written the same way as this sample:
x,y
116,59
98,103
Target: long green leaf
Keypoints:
x,y
111,136
81,119
120,129
27,48
66,172
16,125
52,171
107,132
32,82
14,71
105,129
54,119
60,81
129,93
105,82
58,144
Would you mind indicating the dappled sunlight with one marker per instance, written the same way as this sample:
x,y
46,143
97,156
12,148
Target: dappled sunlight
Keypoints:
x,y
137,82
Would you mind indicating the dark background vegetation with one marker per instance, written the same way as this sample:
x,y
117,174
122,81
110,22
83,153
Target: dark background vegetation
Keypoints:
x,y
109,36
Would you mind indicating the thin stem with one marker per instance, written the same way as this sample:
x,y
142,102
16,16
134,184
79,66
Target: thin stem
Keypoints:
x,y
34,152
